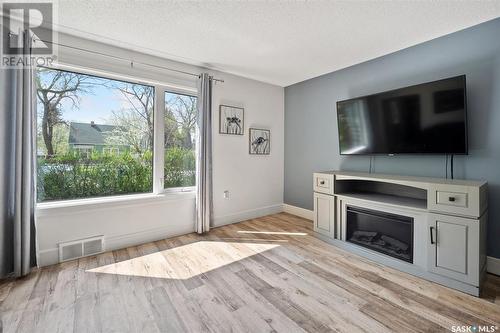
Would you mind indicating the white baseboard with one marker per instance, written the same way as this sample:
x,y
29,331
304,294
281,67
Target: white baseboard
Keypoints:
x,y
301,212
493,265
49,257
247,214
123,241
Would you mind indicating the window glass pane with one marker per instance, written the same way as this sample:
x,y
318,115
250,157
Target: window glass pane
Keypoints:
x,y
179,143
94,136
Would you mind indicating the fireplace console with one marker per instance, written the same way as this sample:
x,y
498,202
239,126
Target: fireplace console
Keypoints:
x,y
429,227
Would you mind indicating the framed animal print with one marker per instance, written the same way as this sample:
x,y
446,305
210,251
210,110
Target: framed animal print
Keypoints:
x,y
231,120
259,141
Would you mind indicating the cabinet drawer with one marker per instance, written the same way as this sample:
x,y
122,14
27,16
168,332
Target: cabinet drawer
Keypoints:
x,y
456,199
323,183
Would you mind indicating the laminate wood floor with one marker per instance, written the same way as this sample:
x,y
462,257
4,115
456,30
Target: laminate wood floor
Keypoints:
x,y
263,275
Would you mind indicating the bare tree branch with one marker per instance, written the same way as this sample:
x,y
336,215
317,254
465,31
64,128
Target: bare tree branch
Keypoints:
x,y
54,86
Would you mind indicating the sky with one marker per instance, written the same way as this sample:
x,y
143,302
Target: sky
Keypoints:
x,y
97,105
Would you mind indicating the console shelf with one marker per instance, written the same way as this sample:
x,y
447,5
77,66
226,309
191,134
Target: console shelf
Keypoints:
x,y
394,200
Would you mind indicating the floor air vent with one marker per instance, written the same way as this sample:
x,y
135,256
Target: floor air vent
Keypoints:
x,y
81,248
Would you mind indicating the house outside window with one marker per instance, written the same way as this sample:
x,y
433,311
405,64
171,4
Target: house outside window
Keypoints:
x,y
94,136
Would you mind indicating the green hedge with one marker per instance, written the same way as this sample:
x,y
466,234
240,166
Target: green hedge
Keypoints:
x,y
180,166
74,176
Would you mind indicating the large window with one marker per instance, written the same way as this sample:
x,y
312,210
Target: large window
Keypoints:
x,y
95,136
179,142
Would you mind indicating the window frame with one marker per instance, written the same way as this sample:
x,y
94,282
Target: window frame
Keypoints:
x,y
160,88
178,91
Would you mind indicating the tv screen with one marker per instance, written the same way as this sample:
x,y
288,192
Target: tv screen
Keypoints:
x,y
428,118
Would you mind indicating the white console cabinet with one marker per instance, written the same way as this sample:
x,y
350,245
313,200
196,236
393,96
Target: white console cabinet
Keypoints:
x,y
430,227
324,214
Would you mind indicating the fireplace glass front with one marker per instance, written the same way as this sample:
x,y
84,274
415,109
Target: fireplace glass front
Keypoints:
x,y
386,233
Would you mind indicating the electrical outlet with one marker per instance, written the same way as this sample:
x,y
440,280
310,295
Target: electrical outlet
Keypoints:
x,y
226,194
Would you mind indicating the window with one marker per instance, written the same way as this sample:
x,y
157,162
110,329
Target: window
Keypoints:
x,y
179,140
94,136
83,150
111,150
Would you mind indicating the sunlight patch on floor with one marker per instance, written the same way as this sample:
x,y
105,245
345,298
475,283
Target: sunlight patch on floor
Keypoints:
x,y
186,261
273,233
241,239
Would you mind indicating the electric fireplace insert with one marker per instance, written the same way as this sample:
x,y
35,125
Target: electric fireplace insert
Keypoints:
x,y
383,232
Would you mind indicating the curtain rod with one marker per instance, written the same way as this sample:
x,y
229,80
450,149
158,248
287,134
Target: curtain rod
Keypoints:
x,y
132,62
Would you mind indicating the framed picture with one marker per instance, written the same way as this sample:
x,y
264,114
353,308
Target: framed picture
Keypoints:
x,y
231,120
259,141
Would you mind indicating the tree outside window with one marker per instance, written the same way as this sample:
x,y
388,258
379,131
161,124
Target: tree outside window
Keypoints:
x,y
95,136
179,142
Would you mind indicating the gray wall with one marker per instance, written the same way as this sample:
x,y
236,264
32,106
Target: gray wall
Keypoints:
x,y
311,141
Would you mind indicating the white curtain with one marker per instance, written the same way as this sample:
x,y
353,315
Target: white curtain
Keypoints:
x,y
17,167
204,155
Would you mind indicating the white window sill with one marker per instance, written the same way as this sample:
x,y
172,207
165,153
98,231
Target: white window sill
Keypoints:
x,y
170,190
69,206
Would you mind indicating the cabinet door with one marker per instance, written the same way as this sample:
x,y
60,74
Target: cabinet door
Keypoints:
x,y
324,214
453,247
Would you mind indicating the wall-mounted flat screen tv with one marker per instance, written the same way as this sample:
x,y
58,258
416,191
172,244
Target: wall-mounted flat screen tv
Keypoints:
x,y
428,118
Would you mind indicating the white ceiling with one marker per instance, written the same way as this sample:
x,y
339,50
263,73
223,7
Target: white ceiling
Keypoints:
x,y
277,42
